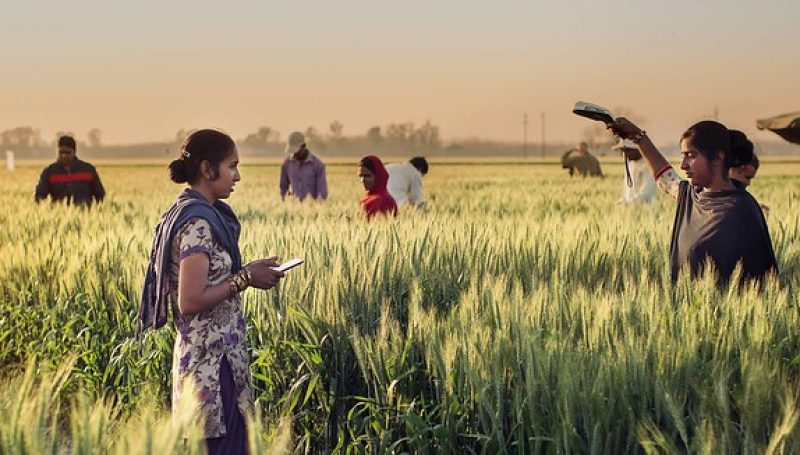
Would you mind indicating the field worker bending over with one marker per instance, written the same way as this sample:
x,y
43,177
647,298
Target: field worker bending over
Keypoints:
x,y
377,200
70,179
302,171
405,181
196,274
717,220
643,190
579,161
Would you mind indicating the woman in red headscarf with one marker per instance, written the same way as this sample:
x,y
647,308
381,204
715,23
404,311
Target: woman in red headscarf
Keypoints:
x,y
377,199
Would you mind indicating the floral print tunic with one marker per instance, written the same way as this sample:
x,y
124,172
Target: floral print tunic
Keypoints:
x,y
203,338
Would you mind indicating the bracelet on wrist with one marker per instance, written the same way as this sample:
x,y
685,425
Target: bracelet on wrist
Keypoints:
x,y
239,281
234,289
639,136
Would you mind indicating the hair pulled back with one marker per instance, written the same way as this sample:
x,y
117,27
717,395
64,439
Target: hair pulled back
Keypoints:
x,y
202,145
710,137
741,150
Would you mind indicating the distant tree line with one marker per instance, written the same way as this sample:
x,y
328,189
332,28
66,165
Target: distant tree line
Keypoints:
x,y
395,139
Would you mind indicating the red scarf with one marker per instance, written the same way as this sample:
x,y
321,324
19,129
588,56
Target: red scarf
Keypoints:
x,y
378,200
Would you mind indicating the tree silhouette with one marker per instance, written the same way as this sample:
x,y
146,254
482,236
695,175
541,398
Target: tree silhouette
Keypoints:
x,y
336,129
23,137
94,136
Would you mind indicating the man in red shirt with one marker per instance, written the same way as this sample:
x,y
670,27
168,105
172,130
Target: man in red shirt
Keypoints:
x,y
70,179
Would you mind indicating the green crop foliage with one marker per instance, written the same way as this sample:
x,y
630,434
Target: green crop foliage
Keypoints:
x,y
523,312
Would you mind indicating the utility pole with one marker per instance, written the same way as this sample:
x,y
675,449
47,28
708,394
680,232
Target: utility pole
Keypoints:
x,y
543,141
716,112
525,136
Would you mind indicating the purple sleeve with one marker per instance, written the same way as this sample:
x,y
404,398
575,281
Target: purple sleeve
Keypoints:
x,y
322,182
284,183
194,238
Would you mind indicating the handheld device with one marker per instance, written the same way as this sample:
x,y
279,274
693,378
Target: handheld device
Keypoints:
x,y
601,114
289,265
594,112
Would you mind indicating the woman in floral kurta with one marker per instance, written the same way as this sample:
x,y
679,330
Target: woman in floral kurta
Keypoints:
x,y
196,273
204,338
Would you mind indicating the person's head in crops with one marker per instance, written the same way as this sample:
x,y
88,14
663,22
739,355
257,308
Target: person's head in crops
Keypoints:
x,y
420,164
296,147
208,163
374,177
746,172
366,173
67,149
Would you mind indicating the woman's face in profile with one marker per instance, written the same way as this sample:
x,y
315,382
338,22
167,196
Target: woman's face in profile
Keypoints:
x,y
228,176
367,177
698,168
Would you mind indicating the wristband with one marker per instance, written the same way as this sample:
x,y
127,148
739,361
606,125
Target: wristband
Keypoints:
x,y
662,171
240,281
234,289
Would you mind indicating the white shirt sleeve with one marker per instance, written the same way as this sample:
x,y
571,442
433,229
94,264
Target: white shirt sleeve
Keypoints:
x,y
415,196
645,185
669,181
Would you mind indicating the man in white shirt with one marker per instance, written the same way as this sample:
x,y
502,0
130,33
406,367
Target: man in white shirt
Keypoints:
x,y
643,190
405,181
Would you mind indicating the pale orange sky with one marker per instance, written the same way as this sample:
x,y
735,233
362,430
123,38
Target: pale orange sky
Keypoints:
x,y
143,70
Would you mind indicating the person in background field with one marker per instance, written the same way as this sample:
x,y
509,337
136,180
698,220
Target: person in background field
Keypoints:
x,y
717,220
405,181
377,200
302,171
643,190
70,179
579,161
746,172
196,273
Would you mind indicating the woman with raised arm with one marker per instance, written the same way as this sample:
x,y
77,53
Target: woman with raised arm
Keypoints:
x,y
717,220
195,271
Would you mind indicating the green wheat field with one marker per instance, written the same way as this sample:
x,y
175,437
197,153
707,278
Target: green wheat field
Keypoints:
x,y
524,312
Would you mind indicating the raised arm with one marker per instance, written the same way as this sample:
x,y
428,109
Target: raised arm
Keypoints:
x,y
665,176
625,129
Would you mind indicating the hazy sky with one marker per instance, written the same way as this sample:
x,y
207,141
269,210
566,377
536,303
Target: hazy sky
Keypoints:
x,y
143,69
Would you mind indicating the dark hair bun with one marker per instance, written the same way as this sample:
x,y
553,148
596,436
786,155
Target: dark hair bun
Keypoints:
x,y
741,149
177,171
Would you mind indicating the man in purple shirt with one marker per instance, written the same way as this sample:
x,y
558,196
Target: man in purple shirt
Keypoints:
x,y
302,171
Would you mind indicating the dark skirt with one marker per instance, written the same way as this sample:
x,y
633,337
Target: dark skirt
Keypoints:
x,y
235,440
